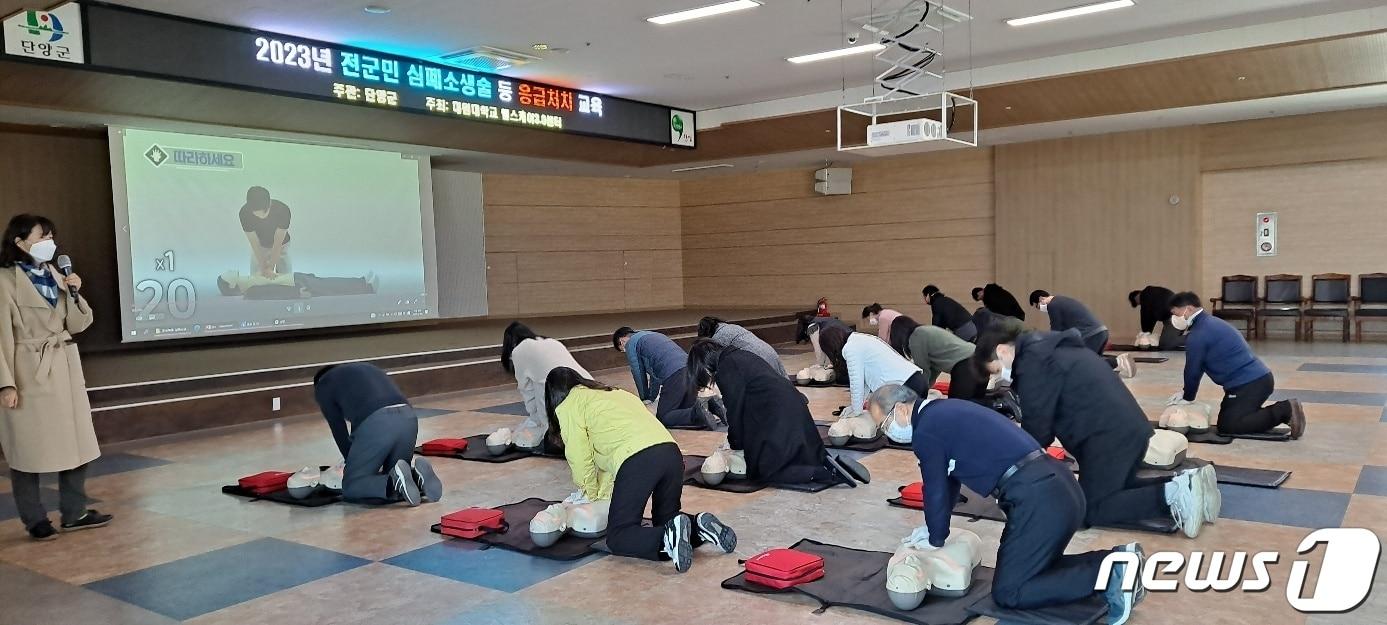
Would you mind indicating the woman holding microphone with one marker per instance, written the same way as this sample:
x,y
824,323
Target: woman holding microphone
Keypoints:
x,y
45,419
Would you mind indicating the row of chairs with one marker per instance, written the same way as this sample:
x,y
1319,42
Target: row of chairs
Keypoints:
x,y
1282,298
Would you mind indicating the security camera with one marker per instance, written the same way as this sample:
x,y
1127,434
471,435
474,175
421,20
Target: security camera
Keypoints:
x,y
853,37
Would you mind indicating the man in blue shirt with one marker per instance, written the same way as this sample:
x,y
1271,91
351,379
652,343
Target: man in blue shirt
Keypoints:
x,y
379,446
960,442
1217,348
660,369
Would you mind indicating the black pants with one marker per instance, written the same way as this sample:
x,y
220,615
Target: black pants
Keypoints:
x,y
383,439
1108,477
655,474
1170,338
678,405
1098,343
965,383
919,383
1242,411
967,331
72,496
1044,508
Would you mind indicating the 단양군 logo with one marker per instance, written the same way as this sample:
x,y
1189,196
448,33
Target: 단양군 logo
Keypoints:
x,y
52,35
44,24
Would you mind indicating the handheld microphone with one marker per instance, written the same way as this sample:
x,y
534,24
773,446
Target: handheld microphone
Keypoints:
x,y
65,267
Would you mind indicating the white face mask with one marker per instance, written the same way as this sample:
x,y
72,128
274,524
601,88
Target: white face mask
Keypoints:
x,y
898,432
1044,308
872,321
1005,375
44,250
1179,323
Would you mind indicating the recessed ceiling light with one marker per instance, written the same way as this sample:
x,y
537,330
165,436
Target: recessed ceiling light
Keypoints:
x,y
540,46
376,9
718,166
1242,78
833,54
1008,108
1071,12
708,11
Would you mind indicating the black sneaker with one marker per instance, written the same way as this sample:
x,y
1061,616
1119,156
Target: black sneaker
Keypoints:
x,y
427,480
853,468
677,545
91,520
711,530
43,531
402,479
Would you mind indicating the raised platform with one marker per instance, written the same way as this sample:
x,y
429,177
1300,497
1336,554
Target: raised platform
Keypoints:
x,y
172,391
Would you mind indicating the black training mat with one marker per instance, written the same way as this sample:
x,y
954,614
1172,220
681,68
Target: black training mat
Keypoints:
x,y
1151,360
1227,474
1084,612
877,444
688,427
856,579
1276,435
693,476
1133,348
321,498
476,451
517,537
974,506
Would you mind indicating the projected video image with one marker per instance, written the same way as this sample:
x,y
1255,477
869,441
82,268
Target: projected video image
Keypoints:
x,y
233,235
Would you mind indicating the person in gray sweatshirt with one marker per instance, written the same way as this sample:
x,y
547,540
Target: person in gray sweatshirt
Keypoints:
x,y
732,335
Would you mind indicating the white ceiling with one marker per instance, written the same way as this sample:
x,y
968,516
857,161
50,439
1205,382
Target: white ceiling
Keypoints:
x,y
721,61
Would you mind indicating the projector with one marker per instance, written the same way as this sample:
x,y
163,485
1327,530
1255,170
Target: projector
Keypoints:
x,y
905,131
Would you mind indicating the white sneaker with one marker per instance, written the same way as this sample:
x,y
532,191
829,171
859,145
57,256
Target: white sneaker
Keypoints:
x,y
1126,367
678,533
1186,506
1206,479
402,477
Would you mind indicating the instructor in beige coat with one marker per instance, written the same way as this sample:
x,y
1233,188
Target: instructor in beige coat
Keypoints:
x,y
45,419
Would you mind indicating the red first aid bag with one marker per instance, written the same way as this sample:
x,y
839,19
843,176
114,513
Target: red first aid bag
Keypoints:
x,y
913,495
784,568
445,445
266,482
473,522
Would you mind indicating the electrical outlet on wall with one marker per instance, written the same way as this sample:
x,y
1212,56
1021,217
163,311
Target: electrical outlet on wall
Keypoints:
x,y
274,404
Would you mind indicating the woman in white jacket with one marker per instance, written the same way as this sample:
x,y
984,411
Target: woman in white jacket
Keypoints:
x,y
530,357
870,364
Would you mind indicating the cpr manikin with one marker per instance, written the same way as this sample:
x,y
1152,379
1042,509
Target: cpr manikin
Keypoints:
x,y
821,374
528,438
724,463
918,570
1166,450
1147,340
499,442
575,515
1186,417
303,483
859,429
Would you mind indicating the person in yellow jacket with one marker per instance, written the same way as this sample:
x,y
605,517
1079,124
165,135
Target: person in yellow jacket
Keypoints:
x,y
620,452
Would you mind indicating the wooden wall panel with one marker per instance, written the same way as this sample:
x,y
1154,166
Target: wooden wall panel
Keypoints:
x,y
578,245
768,240
1329,219
1090,218
1316,138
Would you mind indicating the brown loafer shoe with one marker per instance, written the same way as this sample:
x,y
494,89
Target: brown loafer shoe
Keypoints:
x,y
1297,421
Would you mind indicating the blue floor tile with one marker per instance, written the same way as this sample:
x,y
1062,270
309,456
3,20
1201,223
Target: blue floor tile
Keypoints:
x,y
1284,506
196,585
1325,367
425,413
516,409
1372,481
498,569
111,464
1332,397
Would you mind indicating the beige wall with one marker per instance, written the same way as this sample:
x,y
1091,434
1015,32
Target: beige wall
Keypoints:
x,y
1091,218
1329,220
766,239
559,245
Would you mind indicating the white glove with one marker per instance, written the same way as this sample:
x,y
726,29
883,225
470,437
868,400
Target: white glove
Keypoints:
x,y
919,539
577,499
1177,398
649,402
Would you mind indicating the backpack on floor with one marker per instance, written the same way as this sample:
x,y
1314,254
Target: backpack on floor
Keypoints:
x,y
784,568
266,482
474,522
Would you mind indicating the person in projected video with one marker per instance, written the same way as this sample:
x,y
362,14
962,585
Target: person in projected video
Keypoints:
x,y
266,224
294,285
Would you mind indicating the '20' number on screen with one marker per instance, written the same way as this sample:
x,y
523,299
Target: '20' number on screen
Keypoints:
x,y
181,297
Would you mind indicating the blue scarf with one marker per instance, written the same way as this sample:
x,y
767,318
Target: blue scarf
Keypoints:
x,y
43,281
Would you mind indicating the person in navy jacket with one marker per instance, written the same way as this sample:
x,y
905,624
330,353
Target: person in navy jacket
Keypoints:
x,y
1216,348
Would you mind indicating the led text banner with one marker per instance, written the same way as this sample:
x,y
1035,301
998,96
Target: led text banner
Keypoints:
x,y
133,41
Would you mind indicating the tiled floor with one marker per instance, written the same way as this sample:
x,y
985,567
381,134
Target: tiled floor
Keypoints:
x,y
180,551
